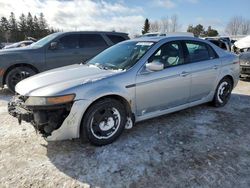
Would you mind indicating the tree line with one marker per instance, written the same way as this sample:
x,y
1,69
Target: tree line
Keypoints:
x,y
237,25
13,30
165,25
199,30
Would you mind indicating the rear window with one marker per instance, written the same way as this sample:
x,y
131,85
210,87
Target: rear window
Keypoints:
x,y
116,38
91,40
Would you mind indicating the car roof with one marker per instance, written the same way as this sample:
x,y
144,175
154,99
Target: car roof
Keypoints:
x,y
159,38
94,32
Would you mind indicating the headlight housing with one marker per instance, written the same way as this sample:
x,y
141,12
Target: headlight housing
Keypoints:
x,y
49,101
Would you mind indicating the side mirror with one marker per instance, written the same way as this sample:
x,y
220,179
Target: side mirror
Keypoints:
x,y
155,66
53,45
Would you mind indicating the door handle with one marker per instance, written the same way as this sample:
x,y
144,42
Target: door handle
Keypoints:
x,y
183,74
215,67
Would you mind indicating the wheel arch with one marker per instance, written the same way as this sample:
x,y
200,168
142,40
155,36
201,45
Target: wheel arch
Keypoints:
x,y
18,65
123,100
229,77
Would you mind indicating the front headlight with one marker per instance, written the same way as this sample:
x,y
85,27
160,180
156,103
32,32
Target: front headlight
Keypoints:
x,y
44,101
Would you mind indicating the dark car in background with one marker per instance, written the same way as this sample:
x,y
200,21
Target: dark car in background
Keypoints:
x,y
244,64
222,43
55,50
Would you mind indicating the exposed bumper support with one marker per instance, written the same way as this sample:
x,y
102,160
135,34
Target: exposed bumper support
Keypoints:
x,y
54,122
45,119
70,128
16,109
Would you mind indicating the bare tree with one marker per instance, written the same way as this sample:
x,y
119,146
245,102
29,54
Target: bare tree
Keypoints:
x,y
234,25
245,27
170,25
155,26
165,26
238,26
174,23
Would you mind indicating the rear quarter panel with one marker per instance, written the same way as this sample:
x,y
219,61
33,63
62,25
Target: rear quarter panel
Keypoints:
x,y
230,66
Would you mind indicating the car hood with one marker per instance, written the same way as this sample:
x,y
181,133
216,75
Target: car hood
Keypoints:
x,y
55,81
19,49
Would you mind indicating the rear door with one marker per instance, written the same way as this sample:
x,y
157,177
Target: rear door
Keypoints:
x,y
66,53
204,64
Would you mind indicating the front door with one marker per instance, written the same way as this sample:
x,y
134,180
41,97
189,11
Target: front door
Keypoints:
x,y
168,88
66,53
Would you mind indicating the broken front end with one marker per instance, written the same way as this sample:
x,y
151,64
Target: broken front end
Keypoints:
x,y
46,114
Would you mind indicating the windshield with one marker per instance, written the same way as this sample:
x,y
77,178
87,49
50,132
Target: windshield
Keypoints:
x,y
121,56
45,40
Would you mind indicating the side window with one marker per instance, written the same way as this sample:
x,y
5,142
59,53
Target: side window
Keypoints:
x,y
212,53
197,51
68,42
170,54
91,41
116,38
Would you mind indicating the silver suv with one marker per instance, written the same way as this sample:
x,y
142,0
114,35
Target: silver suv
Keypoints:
x,y
132,81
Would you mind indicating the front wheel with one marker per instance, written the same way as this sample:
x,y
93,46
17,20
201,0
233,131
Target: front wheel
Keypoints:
x,y
103,122
16,75
223,92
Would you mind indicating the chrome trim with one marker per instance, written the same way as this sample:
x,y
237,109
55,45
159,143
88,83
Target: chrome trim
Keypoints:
x,y
157,79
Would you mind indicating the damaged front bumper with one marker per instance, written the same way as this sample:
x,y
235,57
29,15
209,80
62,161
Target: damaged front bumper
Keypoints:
x,y
45,119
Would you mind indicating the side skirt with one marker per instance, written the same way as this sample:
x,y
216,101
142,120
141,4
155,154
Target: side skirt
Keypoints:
x,y
171,110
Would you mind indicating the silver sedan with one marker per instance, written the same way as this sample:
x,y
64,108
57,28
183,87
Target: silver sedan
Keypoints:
x,y
132,81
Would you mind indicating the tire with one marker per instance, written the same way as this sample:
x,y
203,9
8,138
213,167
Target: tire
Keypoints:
x,y
16,75
103,122
223,92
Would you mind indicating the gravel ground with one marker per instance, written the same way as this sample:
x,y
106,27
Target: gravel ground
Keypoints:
x,y
198,147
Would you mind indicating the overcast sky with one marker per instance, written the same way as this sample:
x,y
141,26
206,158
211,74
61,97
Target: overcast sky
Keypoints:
x,y
127,15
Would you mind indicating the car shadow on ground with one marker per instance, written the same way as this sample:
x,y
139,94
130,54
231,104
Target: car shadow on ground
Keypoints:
x,y
200,146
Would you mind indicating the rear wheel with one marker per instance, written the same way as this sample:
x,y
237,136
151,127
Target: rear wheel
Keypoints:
x,y
103,122
16,75
223,92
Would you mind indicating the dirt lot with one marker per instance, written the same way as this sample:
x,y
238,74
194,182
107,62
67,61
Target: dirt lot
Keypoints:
x,y
198,147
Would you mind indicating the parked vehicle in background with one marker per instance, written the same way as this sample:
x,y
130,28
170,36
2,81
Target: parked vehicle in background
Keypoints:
x,y
244,64
243,44
220,43
132,81
55,50
227,40
233,41
19,44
